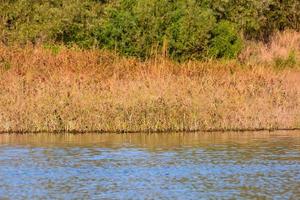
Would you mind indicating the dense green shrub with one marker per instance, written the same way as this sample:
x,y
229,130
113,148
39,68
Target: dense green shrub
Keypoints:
x,y
68,21
181,29
225,42
258,19
281,14
190,34
247,15
145,27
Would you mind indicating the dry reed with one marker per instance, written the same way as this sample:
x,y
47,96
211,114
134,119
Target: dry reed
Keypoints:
x,y
284,46
88,90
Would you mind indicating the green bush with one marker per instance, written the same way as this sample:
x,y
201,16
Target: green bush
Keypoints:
x,y
146,27
225,42
180,29
188,37
280,15
39,21
258,19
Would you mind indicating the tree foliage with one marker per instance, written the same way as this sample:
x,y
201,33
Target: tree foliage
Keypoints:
x,y
181,29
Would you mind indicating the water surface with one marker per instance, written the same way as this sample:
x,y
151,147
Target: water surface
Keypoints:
x,y
151,166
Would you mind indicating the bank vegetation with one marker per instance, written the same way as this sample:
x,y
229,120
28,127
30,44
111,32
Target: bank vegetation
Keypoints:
x,y
149,65
72,89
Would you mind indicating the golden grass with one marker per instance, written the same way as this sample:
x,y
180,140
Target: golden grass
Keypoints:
x,y
88,90
282,46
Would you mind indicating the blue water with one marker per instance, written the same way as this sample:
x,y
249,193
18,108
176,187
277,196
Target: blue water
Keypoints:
x,y
175,166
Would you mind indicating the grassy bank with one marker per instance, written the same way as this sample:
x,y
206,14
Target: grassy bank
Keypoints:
x,y
59,89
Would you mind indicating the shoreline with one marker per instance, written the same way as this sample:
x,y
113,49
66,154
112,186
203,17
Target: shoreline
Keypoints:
x,y
151,131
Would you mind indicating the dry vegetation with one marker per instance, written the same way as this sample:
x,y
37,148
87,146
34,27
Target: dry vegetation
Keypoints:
x,y
283,50
88,90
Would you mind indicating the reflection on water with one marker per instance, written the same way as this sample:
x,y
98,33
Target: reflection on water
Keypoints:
x,y
151,166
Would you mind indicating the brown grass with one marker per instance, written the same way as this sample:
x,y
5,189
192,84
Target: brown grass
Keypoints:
x,y
88,90
282,46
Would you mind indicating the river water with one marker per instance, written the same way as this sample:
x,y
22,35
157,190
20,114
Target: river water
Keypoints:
x,y
258,165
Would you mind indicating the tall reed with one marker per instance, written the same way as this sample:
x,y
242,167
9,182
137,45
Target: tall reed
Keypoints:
x,y
88,90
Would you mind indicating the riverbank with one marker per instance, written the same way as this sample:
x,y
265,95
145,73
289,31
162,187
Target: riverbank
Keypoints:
x,y
87,90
